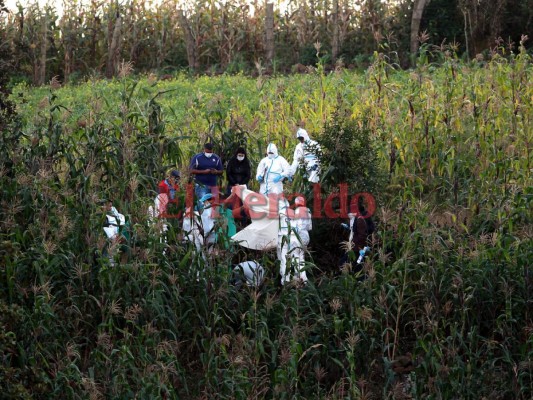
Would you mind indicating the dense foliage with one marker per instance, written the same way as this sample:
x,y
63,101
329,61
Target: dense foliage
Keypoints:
x,y
444,313
84,39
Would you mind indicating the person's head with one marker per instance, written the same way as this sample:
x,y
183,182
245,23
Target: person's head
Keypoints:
x,y
206,200
299,201
302,135
272,151
106,204
240,154
173,176
208,149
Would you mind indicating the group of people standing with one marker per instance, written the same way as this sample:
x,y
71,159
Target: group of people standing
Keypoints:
x,y
294,222
200,225
271,171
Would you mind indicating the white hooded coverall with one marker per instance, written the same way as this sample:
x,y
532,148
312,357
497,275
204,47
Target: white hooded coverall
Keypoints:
x,y
292,247
252,272
191,230
208,225
158,210
114,221
271,170
306,153
302,224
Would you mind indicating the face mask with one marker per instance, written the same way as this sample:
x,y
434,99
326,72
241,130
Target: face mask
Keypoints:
x,y
271,156
208,155
240,158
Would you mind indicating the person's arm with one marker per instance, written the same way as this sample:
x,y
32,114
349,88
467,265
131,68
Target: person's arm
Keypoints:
x,y
260,171
218,170
287,170
162,187
298,154
229,174
248,174
193,170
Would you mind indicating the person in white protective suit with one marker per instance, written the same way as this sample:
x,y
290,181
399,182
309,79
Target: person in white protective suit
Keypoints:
x,y
271,171
114,224
191,228
266,232
208,216
249,272
290,251
156,214
199,226
158,210
301,224
306,154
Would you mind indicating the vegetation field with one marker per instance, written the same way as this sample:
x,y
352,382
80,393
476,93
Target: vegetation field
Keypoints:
x,y
445,311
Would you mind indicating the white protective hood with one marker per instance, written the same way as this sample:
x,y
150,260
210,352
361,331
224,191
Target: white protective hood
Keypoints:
x,y
272,148
302,133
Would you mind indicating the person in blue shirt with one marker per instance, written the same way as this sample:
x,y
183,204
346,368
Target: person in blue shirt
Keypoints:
x,y
206,167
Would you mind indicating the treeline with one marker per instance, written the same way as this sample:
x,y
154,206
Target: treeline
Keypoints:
x,y
208,36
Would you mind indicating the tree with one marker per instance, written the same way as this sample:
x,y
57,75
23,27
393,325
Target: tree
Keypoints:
x,y
44,40
418,11
114,41
192,50
269,33
335,34
7,109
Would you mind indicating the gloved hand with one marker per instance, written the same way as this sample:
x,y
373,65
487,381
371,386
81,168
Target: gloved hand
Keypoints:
x,y
362,252
260,178
345,226
277,179
289,178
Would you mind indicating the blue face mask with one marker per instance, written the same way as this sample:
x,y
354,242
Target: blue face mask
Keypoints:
x,y
271,156
208,155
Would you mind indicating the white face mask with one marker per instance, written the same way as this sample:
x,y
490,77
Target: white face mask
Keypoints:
x,y
240,158
208,155
271,156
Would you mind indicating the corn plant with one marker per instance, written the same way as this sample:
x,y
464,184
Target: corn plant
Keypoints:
x,y
444,310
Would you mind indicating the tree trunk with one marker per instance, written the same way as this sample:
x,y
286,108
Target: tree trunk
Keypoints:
x,y
189,40
67,70
94,29
335,38
134,11
301,27
344,22
161,46
114,49
269,34
466,34
418,10
42,64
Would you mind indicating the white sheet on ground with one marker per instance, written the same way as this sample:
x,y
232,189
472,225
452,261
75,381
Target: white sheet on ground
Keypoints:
x,y
262,233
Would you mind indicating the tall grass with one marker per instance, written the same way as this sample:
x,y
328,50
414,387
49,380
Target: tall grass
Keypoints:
x,y
449,282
